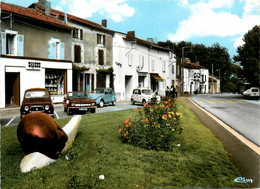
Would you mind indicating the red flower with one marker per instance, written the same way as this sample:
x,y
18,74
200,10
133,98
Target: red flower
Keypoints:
x,y
146,120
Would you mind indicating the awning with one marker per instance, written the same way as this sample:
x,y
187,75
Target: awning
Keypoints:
x,y
157,77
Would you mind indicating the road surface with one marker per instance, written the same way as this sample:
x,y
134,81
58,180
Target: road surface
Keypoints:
x,y
242,114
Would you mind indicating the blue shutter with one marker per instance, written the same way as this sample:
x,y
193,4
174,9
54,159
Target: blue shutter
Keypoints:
x,y
52,50
62,49
20,45
3,43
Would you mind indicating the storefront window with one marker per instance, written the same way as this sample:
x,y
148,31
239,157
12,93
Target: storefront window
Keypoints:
x,y
55,81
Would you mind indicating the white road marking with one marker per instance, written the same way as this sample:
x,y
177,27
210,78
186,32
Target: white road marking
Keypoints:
x,y
56,115
10,121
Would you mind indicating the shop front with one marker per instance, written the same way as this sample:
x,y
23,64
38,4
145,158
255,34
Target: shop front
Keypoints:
x,y
20,74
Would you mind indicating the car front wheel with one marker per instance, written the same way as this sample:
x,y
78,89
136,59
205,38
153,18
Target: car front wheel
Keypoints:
x,y
132,102
101,104
144,102
68,111
113,103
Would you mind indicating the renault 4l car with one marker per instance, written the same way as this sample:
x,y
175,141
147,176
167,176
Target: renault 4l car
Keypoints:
x,y
78,101
143,95
36,100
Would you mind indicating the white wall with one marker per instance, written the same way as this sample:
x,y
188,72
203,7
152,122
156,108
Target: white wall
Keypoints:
x,y
127,58
29,78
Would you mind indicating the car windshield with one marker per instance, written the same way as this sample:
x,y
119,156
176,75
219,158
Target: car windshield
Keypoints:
x,y
78,95
36,94
99,90
147,91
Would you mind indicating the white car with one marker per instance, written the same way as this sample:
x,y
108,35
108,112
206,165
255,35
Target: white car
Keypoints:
x,y
252,92
143,95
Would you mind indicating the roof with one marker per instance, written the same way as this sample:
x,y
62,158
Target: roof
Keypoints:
x,y
191,65
144,42
32,14
61,15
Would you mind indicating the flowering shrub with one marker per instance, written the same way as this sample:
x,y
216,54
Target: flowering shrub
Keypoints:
x,y
155,127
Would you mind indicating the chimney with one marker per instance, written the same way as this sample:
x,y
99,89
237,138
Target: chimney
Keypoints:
x,y
104,23
131,33
47,5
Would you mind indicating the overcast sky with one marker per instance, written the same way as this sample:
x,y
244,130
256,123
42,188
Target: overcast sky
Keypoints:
x,y
197,21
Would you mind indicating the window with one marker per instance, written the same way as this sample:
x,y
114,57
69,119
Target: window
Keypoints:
x,y
77,53
164,66
173,69
130,59
101,39
12,43
56,49
141,61
77,33
152,65
100,57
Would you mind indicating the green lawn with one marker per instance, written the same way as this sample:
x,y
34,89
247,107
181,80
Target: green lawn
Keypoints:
x,y
200,161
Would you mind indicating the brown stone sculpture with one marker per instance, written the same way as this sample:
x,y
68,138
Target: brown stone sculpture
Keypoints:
x,y
39,132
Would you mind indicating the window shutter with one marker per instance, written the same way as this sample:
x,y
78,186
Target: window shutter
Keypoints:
x,y
52,50
20,45
62,51
101,57
3,43
104,39
77,54
81,34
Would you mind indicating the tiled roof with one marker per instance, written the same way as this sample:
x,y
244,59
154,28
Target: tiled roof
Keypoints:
x,y
32,14
144,42
191,65
60,15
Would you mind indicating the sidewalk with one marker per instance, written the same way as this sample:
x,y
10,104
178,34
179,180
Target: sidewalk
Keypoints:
x,y
244,158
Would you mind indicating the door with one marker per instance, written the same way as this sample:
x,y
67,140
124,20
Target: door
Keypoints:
x,y
87,83
12,88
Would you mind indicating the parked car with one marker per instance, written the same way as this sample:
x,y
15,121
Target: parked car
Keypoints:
x,y
103,96
78,101
252,92
143,95
36,100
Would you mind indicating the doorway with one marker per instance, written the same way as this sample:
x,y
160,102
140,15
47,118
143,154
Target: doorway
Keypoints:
x,y
12,88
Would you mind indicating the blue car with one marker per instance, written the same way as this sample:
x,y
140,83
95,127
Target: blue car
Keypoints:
x,y
103,96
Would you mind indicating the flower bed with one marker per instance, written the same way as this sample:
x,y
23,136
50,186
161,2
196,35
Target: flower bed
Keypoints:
x,y
156,127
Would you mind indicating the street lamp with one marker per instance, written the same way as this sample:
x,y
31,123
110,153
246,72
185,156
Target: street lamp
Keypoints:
x,y
182,60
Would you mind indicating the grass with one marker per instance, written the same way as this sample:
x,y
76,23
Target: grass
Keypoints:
x,y
200,161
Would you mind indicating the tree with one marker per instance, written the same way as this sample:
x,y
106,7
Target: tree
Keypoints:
x,y
248,56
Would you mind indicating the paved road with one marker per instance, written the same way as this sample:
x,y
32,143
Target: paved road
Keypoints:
x,y
236,111
11,116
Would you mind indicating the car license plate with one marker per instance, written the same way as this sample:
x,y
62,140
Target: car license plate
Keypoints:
x,y
83,109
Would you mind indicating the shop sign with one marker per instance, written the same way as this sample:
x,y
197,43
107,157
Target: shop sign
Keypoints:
x,y
33,65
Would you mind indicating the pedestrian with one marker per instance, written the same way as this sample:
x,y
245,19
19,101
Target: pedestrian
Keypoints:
x,y
172,91
167,92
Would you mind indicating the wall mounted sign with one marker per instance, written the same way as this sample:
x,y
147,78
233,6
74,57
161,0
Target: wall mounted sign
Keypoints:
x,y
33,66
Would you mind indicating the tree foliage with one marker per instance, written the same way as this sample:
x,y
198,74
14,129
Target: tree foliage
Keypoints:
x,y
215,56
248,56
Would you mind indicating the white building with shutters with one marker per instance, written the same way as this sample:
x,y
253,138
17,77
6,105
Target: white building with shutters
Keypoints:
x,y
35,52
140,63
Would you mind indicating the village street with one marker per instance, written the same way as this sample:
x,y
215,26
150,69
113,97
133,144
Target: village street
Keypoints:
x,y
236,111
11,116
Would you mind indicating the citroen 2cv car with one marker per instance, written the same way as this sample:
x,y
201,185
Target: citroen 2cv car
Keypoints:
x,y
36,100
103,96
78,101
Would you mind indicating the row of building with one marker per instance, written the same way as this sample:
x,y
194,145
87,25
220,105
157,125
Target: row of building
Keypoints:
x,y
47,48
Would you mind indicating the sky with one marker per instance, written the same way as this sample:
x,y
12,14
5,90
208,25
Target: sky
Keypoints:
x,y
198,21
